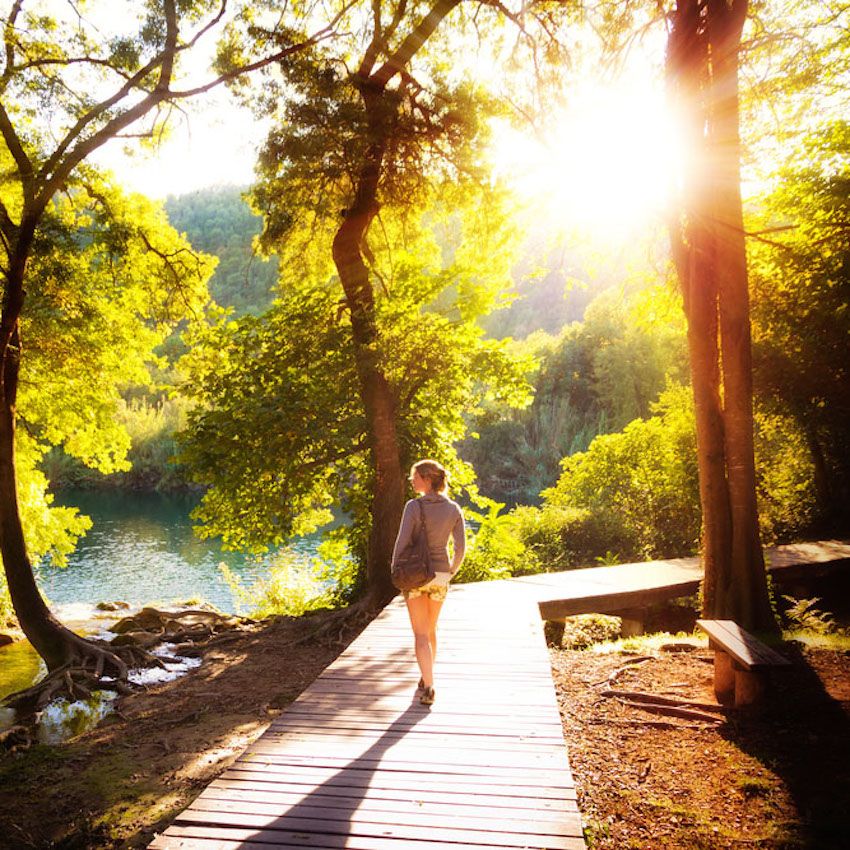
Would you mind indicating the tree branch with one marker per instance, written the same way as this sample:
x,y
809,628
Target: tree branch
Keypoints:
x,y
10,48
22,161
408,48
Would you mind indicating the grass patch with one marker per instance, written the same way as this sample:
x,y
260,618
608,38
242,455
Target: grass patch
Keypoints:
x,y
754,786
817,640
645,644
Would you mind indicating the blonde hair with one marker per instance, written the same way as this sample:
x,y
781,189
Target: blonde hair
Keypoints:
x,y
433,472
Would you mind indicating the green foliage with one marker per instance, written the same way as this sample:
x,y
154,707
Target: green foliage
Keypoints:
x,y
494,550
801,320
218,221
585,630
7,612
595,377
151,426
291,589
785,473
278,432
643,479
807,616
561,537
108,280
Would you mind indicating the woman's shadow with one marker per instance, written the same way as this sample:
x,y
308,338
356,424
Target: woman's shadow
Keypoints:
x,y
291,754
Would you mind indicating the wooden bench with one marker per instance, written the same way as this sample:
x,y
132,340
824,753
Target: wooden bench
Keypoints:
x,y
742,663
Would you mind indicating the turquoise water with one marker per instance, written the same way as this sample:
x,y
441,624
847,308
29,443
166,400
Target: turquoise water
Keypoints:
x,y
140,549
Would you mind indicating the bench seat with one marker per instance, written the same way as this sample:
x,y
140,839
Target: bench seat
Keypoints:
x,y
742,663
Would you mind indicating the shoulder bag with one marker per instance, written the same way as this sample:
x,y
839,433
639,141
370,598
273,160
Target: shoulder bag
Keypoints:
x,y
413,568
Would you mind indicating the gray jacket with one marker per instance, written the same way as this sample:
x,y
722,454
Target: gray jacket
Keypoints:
x,y
443,518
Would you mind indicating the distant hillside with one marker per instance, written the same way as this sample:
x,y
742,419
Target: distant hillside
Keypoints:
x,y
553,285
218,221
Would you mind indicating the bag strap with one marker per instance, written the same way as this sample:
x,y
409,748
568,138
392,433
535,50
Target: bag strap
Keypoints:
x,y
422,517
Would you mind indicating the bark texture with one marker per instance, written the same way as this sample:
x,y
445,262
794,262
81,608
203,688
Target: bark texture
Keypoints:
x,y
349,252
710,255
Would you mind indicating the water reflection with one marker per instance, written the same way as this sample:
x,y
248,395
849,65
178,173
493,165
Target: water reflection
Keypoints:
x,y
141,549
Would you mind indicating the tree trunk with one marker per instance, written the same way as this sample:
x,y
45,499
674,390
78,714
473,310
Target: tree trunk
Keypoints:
x,y
378,401
746,598
53,642
710,256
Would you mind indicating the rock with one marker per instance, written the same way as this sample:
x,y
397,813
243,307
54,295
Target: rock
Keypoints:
x,y
112,606
139,638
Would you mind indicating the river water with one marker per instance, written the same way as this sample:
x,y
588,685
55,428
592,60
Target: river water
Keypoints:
x,y
141,549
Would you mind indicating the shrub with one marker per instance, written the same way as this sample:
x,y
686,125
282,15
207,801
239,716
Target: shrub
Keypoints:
x,y
805,615
562,537
585,630
494,550
291,589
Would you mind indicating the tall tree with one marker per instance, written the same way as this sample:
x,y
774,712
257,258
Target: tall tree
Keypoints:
x,y
67,87
365,123
709,251
279,432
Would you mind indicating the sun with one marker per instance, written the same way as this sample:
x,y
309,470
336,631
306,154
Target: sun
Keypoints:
x,y
603,165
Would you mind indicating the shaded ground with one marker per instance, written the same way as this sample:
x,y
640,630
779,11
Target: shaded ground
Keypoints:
x,y
117,784
780,779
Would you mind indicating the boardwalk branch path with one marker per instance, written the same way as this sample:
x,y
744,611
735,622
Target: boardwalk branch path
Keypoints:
x,y
357,762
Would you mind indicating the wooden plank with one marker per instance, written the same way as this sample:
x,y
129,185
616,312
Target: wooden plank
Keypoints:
x,y
741,645
356,761
410,814
434,724
545,775
432,833
301,776
207,838
612,602
288,790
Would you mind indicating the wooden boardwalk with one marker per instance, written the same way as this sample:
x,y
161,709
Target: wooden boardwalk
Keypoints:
x,y
356,761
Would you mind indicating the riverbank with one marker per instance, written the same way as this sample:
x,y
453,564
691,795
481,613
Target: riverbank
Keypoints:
x,y
112,787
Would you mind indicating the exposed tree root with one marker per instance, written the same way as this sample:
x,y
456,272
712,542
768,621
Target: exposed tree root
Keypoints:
x,y
339,627
93,665
15,739
667,706
657,699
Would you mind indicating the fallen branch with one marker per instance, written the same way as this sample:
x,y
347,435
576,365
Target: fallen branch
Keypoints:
x,y
657,699
672,711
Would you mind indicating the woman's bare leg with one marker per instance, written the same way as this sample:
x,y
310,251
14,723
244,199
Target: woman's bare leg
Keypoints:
x,y
420,620
434,607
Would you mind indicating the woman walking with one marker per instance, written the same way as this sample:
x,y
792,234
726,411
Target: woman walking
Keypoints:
x,y
443,519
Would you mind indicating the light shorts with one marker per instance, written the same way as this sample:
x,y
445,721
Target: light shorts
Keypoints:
x,y
436,589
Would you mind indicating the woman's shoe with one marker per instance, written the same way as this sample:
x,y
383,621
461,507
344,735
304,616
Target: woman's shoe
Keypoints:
x,y
427,697
421,685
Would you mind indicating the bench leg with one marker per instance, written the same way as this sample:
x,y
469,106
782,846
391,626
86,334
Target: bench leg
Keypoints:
x,y
631,621
554,631
630,627
724,677
749,687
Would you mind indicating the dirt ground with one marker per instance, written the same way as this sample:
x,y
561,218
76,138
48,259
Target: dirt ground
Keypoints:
x,y
116,785
774,780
